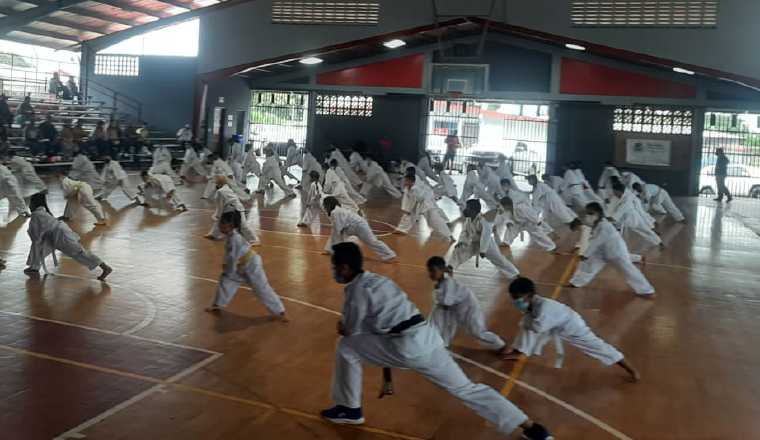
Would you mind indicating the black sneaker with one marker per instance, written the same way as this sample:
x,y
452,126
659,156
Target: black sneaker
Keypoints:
x,y
343,415
536,432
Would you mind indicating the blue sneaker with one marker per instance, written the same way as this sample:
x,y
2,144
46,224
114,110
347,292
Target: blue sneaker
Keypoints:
x,y
343,415
536,432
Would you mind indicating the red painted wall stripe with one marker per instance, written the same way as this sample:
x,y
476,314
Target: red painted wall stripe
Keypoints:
x,y
584,78
404,72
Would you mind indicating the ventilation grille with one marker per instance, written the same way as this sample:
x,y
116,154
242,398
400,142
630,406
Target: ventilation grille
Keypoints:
x,y
117,65
319,12
645,13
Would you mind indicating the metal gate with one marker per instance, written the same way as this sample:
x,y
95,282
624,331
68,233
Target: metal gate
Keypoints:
x,y
738,134
487,129
278,116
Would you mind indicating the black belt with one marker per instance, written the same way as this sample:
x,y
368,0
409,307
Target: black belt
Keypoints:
x,y
404,325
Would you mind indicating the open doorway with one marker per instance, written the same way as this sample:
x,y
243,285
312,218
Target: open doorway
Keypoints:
x,y
738,134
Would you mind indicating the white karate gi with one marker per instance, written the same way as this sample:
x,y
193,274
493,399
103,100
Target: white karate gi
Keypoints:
x,y
83,170
423,165
221,168
113,176
162,163
377,177
28,180
524,217
504,171
337,173
310,164
184,134
80,193
551,320
556,183
658,201
271,172
293,157
237,172
473,187
10,189
629,215
228,201
251,164
48,235
337,189
606,245
575,190
357,162
455,305
490,180
446,187
551,205
159,189
313,204
628,178
605,177
477,238
243,266
344,165
373,306
192,163
419,201
346,223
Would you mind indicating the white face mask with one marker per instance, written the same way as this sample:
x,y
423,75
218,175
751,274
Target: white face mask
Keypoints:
x,y
590,219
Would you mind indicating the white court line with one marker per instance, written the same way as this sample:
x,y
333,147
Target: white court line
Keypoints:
x,y
76,432
578,412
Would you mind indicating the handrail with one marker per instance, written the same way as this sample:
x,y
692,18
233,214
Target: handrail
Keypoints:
x,y
135,104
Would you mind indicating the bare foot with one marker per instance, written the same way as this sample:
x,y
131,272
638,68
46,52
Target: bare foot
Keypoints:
x,y
635,376
301,225
213,309
101,223
106,271
283,318
571,286
512,355
209,236
32,272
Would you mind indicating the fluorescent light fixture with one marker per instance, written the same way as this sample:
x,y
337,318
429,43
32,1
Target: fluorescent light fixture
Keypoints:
x,y
575,46
682,70
394,44
310,60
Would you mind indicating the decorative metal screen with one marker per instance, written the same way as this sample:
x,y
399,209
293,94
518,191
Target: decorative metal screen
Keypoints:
x,y
645,13
646,119
117,65
738,134
344,105
277,116
356,12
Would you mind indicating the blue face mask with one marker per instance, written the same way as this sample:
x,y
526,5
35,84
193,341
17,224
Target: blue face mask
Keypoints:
x,y
522,304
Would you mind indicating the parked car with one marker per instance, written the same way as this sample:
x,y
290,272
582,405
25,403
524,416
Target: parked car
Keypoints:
x,y
742,180
524,159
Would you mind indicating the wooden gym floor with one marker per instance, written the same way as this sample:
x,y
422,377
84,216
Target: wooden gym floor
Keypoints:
x,y
138,358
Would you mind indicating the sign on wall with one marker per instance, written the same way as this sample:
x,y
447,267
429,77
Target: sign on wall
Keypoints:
x,y
650,152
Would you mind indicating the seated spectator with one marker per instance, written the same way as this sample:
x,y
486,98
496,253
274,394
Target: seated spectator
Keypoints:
x,y
31,136
48,134
80,134
65,94
114,137
143,134
184,135
98,139
73,88
55,85
67,140
25,112
6,117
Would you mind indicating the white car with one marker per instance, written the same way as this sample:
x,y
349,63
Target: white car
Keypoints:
x,y
742,180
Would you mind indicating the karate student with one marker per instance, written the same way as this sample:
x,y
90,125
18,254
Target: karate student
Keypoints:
x,y
313,203
162,163
657,200
551,205
626,211
629,178
242,265
192,165
604,189
445,186
545,319
357,162
293,157
251,163
345,166
504,170
28,180
575,189
381,326
476,240
219,167
334,173
83,170
377,177
337,188
346,223
158,188
271,172
48,235
473,187
78,194
555,182
114,176
9,188
606,245
228,201
521,216
419,201
423,165
488,178
455,305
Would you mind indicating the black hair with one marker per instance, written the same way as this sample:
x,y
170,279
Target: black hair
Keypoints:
x,y
619,187
411,177
533,176
144,173
314,175
637,186
349,254
473,205
595,207
410,171
39,200
334,162
330,202
521,286
505,182
472,167
436,263
613,178
231,218
438,167
506,201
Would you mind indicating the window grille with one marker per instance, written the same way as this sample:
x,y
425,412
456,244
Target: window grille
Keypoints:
x,y
645,13
653,120
344,105
117,65
355,12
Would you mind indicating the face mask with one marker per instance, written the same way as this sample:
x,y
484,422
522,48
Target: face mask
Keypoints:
x,y
590,219
522,304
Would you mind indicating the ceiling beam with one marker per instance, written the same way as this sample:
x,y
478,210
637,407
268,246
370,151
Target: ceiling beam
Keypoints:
x,y
63,23
20,19
49,34
134,8
84,12
179,4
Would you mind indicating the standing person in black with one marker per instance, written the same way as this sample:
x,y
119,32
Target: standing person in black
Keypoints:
x,y
721,171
